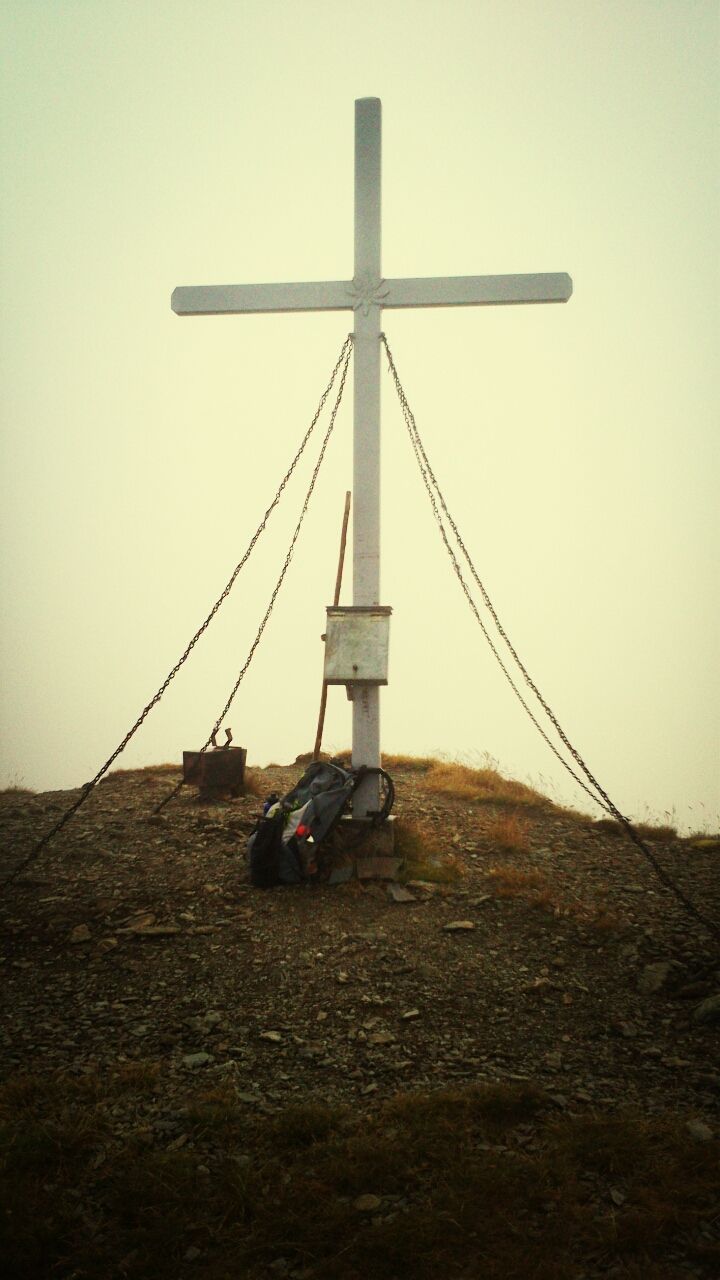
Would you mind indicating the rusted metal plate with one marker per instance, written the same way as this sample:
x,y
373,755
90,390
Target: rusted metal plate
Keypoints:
x,y
215,772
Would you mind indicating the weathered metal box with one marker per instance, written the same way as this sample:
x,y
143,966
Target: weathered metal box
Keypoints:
x,y
357,639
215,772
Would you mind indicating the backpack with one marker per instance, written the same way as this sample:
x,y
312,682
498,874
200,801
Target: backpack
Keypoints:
x,y
283,846
264,848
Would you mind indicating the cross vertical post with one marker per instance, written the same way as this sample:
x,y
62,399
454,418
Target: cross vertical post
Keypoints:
x,y
366,295
366,425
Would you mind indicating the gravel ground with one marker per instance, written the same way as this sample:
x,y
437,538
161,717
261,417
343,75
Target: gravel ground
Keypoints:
x,y
138,937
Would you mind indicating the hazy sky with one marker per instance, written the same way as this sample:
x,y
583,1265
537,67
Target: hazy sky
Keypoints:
x,y
146,145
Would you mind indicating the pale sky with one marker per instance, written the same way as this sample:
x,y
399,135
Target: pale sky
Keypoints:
x,y
147,145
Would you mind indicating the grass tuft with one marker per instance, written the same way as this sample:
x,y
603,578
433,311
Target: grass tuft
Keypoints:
x,y
412,764
646,830
422,860
509,833
148,773
482,786
304,1124
535,889
254,783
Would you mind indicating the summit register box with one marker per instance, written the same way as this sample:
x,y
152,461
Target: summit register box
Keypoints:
x,y
356,644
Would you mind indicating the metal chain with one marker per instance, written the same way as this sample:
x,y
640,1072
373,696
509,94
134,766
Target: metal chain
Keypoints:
x,y
426,473
171,795
342,360
602,798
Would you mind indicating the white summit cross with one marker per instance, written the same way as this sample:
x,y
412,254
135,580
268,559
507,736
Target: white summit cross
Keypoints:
x,y
367,294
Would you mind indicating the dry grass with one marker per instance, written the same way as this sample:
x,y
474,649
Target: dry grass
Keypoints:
x,y
646,830
481,786
701,840
254,784
516,882
509,833
534,888
422,859
413,764
469,1181
148,773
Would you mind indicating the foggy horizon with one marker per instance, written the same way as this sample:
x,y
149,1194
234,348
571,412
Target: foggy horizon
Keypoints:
x,y
576,445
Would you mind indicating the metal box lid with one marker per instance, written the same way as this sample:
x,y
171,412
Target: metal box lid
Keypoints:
x,y
356,644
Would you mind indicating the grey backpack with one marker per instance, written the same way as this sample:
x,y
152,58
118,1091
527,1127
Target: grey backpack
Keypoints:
x,y
283,847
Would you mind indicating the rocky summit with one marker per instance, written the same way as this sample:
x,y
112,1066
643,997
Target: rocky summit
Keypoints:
x,y
519,944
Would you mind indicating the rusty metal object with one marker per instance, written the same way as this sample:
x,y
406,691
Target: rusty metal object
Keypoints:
x,y
215,773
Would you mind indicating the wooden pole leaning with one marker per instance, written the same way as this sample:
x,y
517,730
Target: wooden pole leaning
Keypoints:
x,y
336,601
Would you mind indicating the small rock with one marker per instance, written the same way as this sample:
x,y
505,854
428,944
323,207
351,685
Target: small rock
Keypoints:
x,y
410,1015
273,1036
424,886
617,1196
367,1204
140,920
398,893
654,977
700,1131
381,1037
192,1254
708,1010
458,926
194,1060
540,985
157,931
177,1143
80,933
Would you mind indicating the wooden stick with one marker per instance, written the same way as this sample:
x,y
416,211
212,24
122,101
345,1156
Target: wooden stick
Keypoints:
x,y
336,601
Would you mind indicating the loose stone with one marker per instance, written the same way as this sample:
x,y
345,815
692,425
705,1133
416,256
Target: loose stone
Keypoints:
x,y
194,1060
367,1204
700,1131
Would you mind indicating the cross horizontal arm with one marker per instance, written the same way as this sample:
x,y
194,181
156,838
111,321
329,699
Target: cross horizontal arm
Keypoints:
x,y
478,291
239,299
